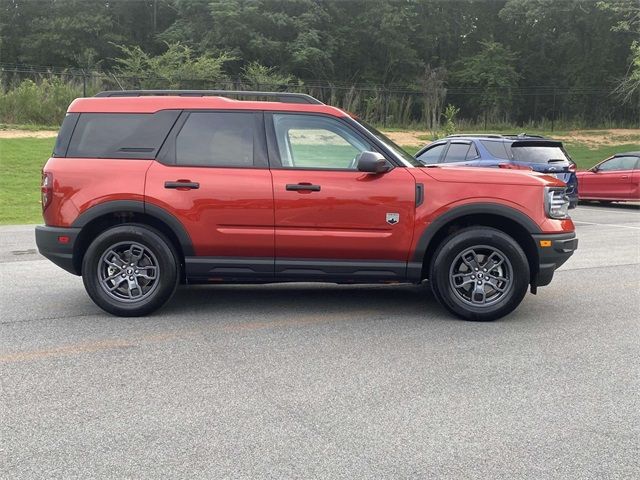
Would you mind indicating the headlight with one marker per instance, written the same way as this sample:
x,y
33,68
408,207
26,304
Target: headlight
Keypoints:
x,y
556,202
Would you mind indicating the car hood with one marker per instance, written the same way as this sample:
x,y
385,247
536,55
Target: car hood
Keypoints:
x,y
490,175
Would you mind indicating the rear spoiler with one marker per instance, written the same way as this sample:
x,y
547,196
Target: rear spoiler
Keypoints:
x,y
536,143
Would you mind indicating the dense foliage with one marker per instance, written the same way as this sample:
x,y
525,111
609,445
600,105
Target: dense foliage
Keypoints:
x,y
515,61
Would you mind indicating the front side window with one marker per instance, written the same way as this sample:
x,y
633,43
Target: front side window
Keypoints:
x,y
217,139
618,163
432,155
309,141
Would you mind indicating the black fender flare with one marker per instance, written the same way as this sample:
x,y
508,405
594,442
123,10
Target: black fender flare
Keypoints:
x,y
455,213
137,206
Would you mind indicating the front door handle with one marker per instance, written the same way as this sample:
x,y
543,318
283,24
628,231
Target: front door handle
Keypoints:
x,y
295,187
624,177
182,185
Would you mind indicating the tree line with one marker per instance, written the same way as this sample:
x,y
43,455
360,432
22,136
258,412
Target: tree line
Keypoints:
x,y
397,62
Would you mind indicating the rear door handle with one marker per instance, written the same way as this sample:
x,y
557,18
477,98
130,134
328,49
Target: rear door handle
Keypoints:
x,y
182,184
294,187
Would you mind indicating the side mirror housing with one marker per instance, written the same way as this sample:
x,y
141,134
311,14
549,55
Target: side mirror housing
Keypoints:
x,y
372,162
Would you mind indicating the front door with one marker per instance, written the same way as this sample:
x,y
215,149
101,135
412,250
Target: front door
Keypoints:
x,y
214,178
611,180
332,221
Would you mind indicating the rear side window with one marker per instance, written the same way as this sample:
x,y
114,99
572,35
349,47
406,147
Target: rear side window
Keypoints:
x,y
218,139
537,154
457,152
497,149
120,135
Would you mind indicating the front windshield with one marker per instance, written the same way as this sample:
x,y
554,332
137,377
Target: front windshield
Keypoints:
x,y
391,145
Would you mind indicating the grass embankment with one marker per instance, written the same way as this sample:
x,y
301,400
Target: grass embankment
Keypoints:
x,y
21,160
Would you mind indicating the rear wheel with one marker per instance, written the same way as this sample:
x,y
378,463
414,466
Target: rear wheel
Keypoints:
x,y
479,273
130,270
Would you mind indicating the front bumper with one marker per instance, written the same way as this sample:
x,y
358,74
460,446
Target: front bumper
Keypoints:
x,y
553,250
52,245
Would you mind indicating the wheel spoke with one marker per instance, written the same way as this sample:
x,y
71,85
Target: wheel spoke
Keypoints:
x,y
472,262
466,279
479,294
135,253
495,286
135,291
148,272
118,281
114,260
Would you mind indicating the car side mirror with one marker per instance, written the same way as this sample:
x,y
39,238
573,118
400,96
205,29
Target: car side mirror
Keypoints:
x,y
372,162
594,169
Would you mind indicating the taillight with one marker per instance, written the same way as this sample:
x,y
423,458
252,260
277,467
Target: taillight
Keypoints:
x,y
511,166
46,189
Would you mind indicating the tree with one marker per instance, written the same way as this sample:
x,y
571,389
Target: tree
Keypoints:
x,y
491,76
177,67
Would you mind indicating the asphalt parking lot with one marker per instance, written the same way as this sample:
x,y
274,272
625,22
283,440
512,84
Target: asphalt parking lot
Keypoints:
x,y
325,381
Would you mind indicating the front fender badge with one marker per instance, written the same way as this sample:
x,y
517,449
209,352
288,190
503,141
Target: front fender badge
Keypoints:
x,y
393,218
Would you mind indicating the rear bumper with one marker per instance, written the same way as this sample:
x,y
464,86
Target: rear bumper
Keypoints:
x,y
551,257
50,246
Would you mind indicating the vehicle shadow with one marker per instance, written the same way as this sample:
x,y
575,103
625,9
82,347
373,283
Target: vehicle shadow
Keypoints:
x,y
307,299
612,205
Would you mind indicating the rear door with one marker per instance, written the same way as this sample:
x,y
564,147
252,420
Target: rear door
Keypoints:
x,y
212,175
332,221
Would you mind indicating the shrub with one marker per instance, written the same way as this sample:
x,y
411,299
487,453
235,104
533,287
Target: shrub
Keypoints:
x,y
43,103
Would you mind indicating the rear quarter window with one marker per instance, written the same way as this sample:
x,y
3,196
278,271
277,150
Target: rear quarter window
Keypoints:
x,y
120,135
497,149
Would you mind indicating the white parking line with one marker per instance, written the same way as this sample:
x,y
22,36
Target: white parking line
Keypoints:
x,y
578,223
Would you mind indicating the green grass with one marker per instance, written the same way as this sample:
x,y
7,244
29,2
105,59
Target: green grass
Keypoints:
x,y
28,126
586,158
21,160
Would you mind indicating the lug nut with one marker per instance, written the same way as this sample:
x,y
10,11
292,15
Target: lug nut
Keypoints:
x,y
479,282
131,278
473,277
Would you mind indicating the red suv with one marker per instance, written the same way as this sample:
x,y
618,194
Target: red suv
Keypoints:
x,y
149,189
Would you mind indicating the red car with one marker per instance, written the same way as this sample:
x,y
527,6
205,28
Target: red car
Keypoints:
x,y
616,179
149,189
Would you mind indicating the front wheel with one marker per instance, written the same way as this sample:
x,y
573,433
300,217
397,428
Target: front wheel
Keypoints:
x,y
130,270
479,273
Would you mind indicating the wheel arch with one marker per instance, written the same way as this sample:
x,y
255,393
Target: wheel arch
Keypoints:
x,y
506,219
105,215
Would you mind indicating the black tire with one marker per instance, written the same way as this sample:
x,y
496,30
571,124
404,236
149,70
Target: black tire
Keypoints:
x,y
106,265
450,265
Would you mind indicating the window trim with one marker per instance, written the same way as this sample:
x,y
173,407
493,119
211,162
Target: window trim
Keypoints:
x,y
275,162
167,153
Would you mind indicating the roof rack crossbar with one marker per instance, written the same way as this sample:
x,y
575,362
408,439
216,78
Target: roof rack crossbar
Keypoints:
x,y
284,97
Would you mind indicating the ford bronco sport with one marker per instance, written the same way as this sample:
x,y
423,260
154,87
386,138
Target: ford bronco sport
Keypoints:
x,y
149,189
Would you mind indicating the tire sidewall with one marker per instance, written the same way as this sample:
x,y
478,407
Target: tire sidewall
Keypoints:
x,y
156,243
455,244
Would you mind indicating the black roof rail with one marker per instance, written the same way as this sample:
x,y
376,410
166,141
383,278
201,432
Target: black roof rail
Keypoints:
x,y
524,135
475,135
284,97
